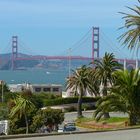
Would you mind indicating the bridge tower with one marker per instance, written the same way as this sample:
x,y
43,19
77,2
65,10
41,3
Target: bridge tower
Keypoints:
x,y
95,43
14,51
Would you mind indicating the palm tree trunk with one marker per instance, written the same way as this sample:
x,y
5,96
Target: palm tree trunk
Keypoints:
x,y
106,114
105,88
132,119
27,125
79,106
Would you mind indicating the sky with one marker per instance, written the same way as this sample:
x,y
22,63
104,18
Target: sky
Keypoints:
x,y
51,27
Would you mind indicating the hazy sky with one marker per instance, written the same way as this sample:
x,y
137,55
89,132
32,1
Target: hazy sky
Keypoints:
x,y
50,27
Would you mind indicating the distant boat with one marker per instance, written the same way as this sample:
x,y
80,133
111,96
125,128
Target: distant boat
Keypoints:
x,y
47,72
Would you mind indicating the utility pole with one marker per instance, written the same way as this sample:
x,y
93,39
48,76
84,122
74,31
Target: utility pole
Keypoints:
x,y
137,61
124,64
137,64
69,62
2,97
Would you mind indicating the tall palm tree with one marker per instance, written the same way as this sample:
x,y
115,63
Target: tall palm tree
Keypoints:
x,y
124,97
79,83
21,108
104,69
131,38
94,88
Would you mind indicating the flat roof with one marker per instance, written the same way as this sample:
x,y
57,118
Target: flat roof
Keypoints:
x,y
49,85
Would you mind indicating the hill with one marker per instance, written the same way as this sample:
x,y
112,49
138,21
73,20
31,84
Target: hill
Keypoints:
x,y
5,63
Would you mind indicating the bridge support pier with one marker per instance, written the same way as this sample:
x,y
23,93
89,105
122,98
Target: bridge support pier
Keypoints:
x,y
14,51
95,43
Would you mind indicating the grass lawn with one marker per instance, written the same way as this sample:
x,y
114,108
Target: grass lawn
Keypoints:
x,y
111,123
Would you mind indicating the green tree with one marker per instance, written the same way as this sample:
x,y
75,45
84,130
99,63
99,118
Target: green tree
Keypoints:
x,y
124,97
104,69
35,99
21,108
4,111
4,91
47,117
131,37
79,83
5,87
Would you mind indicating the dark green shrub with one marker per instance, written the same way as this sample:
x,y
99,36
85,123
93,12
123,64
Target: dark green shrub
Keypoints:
x,y
88,107
21,130
46,95
71,109
70,100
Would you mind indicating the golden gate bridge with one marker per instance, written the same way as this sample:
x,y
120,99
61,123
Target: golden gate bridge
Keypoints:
x,y
94,53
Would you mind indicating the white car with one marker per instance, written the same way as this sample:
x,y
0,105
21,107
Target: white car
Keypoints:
x,y
60,130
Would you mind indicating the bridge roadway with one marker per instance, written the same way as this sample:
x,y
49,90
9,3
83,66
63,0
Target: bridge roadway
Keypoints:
x,y
41,57
133,134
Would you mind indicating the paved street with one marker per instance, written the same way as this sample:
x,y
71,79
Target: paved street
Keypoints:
x,y
73,115
133,134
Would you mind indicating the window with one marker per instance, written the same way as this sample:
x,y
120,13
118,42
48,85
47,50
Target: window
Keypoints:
x,y
47,89
56,89
37,89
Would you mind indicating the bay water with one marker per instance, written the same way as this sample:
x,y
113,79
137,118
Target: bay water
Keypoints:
x,y
34,76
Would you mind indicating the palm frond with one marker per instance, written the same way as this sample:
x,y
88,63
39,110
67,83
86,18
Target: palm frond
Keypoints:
x,y
130,38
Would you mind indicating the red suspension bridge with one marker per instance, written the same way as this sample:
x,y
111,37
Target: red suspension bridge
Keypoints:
x,y
94,52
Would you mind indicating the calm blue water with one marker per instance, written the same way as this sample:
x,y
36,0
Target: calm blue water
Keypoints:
x,y
39,76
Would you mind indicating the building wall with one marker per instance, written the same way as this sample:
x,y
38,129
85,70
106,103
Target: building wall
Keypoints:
x,y
37,88
47,89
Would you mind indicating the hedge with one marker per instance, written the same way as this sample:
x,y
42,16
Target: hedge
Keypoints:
x,y
69,100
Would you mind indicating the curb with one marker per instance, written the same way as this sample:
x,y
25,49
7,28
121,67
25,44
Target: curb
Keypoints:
x,y
65,133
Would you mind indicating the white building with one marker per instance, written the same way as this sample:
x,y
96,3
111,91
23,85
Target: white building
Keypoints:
x,y
52,88
37,88
70,93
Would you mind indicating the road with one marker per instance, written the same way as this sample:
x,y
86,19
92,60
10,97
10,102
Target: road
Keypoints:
x,y
133,134
73,115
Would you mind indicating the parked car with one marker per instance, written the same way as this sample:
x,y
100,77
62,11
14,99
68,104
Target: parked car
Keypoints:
x,y
60,130
69,127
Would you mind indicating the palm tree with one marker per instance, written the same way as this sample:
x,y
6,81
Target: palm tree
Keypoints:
x,y
124,97
94,88
21,108
104,69
79,83
131,38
